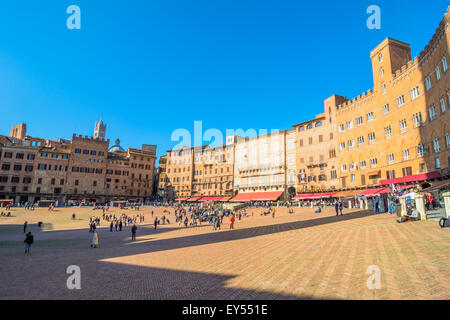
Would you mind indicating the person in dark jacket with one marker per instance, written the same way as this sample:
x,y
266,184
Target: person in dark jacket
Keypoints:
x,y
28,241
133,232
336,207
341,207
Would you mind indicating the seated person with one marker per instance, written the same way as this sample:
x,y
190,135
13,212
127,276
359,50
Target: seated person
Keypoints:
x,y
414,216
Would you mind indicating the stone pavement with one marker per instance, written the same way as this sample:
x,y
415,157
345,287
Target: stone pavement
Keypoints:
x,y
294,256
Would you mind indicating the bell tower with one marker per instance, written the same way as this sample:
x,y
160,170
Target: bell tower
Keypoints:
x,y
100,130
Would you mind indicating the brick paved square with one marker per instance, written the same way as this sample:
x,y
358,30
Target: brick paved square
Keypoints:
x,y
293,256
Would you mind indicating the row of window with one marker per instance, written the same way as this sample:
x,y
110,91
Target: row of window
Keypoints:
x,y
352,166
391,174
400,102
54,155
359,121
17,167
403,124
19,155
310,126
311,140
13,189
437,72
51,167
420,150
15,179
303,178
91,152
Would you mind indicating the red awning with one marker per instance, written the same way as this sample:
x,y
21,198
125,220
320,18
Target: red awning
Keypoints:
x,y
312,196
303,196
374,192
210,199
413,178
257,196
193,199
327,195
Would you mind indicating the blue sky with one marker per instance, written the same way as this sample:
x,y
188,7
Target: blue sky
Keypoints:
x,y
150,67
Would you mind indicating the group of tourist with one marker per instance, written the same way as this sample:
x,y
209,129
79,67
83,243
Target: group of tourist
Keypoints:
x,y
4,214
191,216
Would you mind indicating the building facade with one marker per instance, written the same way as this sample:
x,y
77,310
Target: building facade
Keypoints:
x,y
82,168
266,163
400,127
316,156
200,171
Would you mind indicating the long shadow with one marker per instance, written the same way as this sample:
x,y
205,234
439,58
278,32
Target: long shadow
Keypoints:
x,y
107,280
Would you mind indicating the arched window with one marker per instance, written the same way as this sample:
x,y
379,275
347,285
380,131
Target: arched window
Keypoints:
x,y
310,126
302,128
318,124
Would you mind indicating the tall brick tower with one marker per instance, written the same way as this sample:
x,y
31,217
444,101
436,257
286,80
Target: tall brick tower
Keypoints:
x,y
100,130
19,131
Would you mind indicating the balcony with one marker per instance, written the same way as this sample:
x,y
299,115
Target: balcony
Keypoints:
x,y
319,164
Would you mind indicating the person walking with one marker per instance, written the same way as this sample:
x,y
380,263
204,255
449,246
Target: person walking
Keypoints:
x,y
120,225
218,224
111,226
94,240
25,226
186,221
232,222
156,222
273,213
341,207
214,223
28,241
336,207
133,232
